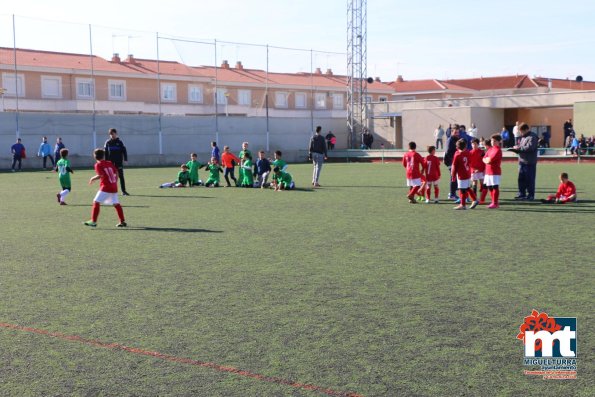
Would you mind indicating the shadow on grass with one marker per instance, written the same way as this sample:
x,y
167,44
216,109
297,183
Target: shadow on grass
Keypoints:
x,y
166,196
105,205
550,208
169,229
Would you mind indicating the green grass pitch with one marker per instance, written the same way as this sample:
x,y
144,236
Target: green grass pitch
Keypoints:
x,y
347,287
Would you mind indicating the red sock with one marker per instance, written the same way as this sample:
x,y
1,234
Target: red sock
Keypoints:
x,y
436,191
484,193
120,212
413,191
428,192
463,196
496,195
95,211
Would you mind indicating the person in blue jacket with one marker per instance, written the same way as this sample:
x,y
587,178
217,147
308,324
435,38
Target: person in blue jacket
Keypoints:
x,y
45,152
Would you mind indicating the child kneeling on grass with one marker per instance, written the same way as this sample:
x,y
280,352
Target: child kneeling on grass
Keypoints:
x,y
566,192
184,178
282,180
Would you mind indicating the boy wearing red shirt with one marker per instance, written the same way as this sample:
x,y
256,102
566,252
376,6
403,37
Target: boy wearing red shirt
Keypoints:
x,y
107,173
229,160
566,192
432,172
477,167
461,172
493,171
412,161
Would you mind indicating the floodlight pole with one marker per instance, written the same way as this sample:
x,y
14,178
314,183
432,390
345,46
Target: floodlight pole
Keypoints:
x,y
357,60
16,77
159,97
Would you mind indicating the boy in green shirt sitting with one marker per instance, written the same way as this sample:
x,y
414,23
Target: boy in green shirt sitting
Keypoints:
x,y
214,169
282,180
182,180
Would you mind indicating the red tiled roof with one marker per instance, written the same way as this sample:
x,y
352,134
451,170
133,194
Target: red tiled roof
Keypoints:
x,y
495,83
568,84
46,59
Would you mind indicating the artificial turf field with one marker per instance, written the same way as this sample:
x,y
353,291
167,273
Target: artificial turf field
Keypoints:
x,y
347,288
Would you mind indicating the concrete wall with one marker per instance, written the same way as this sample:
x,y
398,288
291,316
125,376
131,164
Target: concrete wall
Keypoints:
x,y
419,124
488,121
140,133
584,118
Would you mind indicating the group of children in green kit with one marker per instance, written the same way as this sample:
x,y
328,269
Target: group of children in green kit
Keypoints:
x,y
249,169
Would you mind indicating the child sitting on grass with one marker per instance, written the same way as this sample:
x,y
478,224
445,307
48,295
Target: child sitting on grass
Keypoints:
x,y
282,180
184,178
566,192
214,169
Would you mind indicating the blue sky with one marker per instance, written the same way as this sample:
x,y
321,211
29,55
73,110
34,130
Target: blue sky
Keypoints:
x,y
419,40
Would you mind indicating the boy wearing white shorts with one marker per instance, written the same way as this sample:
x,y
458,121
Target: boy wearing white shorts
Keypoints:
x,y
493,171
107,173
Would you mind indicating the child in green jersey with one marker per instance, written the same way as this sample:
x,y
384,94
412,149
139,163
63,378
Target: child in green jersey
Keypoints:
x,y
247,166
282,180
279,162
193,167
214,169
184,178
241,156
63,169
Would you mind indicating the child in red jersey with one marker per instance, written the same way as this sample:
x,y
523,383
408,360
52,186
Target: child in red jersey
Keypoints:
x,y
432,173
477,167
461,172
493,171
107,173
566,192
413,163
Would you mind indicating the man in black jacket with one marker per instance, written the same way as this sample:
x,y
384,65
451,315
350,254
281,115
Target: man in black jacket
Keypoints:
x,y
115,151
451,148
317,153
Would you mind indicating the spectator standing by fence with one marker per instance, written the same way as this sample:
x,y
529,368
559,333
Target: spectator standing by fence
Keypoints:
x,y
317,154
59,146
18,154
115,151
439,135
45,151
330,140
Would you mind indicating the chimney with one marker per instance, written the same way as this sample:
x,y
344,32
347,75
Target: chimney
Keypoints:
x,y
377,79
116,58
239,65
130,59
329,72
318,71
400,79
225,65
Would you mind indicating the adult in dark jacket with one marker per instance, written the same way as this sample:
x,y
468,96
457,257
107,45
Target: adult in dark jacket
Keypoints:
x,y
115,151
527,151
317,153
451,148
367,139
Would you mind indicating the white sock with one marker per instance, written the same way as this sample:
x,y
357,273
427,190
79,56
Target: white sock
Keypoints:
x,y
63,194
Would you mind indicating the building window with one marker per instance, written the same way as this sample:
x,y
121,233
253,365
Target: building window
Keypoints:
x,y
337,101
222,96
195,94
280,99
320,100
168,92
382,98
244,97
117,90
85,89
300,100
51,87
369,99
13,85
